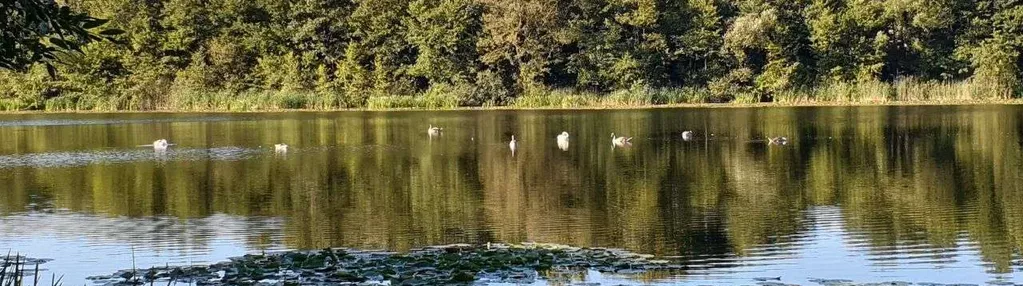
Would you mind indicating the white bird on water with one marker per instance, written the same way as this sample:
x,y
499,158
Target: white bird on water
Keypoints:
x,y
563,136
159,145
281,148
687,135
781,140
563,141
434,131
512,144
620,141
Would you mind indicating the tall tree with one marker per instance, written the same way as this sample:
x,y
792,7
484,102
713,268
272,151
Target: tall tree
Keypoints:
x,y
522,39
444,34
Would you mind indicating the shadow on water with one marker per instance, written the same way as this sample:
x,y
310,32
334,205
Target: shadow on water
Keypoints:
x,y
854,192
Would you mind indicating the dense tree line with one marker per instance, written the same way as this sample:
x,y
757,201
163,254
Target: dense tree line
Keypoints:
x,y
491,51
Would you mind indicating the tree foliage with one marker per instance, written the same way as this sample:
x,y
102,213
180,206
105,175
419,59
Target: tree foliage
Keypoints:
x,y
38,31
494,50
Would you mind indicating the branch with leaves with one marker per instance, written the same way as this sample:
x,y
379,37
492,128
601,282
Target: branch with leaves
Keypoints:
x,y
38,31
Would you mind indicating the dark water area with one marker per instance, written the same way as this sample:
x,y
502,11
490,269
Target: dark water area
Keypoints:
x,y
871,194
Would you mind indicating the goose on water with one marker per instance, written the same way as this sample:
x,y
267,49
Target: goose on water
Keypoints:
x,y
620,141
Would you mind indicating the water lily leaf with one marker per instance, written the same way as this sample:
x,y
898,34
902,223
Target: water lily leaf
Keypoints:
x,y
463,276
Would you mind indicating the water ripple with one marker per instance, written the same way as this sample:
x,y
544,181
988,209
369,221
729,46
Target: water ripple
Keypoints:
x,y
73,159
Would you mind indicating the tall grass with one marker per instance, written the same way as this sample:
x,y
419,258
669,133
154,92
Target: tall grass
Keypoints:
x,y
251,101
412,102
838,92
902,90
558,98
684,95
969,90
441,96
636,96
34,93
13,272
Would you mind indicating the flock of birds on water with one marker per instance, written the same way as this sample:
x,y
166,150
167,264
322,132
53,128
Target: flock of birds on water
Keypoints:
x,y
616,141
562,139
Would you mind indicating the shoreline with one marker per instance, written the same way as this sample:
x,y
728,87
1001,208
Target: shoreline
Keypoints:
x,y
555,108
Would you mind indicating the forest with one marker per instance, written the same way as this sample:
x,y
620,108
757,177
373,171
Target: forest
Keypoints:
x,y
335,54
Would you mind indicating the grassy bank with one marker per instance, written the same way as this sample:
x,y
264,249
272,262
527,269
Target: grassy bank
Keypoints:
x,y
903,91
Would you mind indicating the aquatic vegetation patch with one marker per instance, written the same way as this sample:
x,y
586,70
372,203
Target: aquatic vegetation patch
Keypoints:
x,y
17,270
451,264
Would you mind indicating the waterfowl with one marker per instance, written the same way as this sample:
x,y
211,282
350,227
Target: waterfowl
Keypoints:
x,y
620,141
281,148
160,144
512,144
687,135
434,130
563,136
563,141
780,140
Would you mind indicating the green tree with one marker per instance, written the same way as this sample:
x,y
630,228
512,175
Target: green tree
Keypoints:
x,y
521,39
490,51
37,31
992,44
377,26
769,38
444,34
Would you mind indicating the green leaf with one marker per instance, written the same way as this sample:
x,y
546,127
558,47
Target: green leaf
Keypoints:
x,y
93,23
51,70
111,32
60,43
65,12
65,44
117,41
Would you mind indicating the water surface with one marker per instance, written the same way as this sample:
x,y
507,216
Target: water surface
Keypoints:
x,y
917,194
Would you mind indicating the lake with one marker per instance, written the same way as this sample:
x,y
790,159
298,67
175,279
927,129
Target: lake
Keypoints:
x,y
917,194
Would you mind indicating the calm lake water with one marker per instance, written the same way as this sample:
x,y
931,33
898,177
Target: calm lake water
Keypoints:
x,y
917,194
